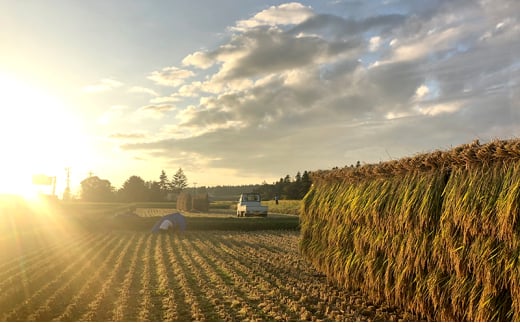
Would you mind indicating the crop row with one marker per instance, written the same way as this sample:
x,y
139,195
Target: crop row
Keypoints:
x,y
203,276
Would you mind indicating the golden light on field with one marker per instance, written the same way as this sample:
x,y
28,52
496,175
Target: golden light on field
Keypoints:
x,y
38,136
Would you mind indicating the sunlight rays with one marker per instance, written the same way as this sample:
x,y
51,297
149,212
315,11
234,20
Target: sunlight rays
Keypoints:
x,y
38,135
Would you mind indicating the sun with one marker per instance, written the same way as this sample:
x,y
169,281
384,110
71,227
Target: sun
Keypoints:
x,y
38,135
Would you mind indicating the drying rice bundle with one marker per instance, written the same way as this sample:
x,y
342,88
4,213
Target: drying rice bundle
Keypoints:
x,y
470,200
378,233
413,222
479,241
436,234
508,205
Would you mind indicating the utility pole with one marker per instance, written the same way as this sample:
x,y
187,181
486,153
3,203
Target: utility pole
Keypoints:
x,y
66,193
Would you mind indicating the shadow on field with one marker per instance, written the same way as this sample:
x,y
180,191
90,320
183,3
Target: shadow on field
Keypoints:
x,y
198,223
116,217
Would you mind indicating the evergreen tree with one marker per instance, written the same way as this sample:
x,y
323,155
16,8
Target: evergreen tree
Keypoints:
x,y
164,185
163,182
305,184
298,177
179,181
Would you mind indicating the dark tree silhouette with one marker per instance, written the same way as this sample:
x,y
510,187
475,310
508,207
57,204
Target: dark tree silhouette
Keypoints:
x,y
94,189
164,184
134,190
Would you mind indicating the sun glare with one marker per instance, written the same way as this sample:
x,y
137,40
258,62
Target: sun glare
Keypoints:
x,y
38,136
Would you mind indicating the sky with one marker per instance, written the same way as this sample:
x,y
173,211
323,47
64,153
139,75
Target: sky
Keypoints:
x,y
244,92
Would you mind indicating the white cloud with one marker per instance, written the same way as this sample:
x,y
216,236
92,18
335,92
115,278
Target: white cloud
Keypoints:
x,y
155,110
284,14
393,115
300,82
190,90
420,47
374,43
145,90
421,92
198,59
441,108
170,76
102,86
174,98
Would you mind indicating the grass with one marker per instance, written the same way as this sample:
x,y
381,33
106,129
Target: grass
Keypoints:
x,y
103,217
284,206
201,223
292,207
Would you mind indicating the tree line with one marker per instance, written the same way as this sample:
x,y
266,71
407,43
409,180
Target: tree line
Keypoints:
x,y
135,189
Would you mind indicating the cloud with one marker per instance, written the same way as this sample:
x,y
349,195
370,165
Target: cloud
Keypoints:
x,y
335,27
155,110
198,59
128,136
102,86
436,109
166,99
418,48
284,14
170,76
145,90
375,42
291,89
421,92
259,52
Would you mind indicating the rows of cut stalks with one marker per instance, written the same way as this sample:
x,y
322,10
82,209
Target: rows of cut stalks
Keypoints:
x,y
154,212
203,276
40,282
436,234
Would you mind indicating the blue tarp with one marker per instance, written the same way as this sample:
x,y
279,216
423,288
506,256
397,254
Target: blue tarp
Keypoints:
x,y
177,219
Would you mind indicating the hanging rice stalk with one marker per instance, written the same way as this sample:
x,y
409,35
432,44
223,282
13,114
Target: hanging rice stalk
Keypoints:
x,y
436,234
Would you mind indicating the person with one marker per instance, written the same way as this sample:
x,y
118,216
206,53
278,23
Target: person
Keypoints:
x,y
276,199
174,223
165,226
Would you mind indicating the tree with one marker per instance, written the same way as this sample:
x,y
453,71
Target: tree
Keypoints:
x,y
298,177
179,181
134,190
306,183
155,193
164,185
163,182
94,189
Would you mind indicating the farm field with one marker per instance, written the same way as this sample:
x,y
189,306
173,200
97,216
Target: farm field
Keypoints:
x,y
202,276
56,265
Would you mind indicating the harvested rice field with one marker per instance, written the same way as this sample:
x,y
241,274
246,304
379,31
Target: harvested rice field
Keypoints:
x,y
202,276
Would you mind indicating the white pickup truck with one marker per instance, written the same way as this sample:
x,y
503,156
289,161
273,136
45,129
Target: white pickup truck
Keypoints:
x,y
250,204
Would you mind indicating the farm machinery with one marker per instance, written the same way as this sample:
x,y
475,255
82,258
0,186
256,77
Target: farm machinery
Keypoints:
x,y
250,204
